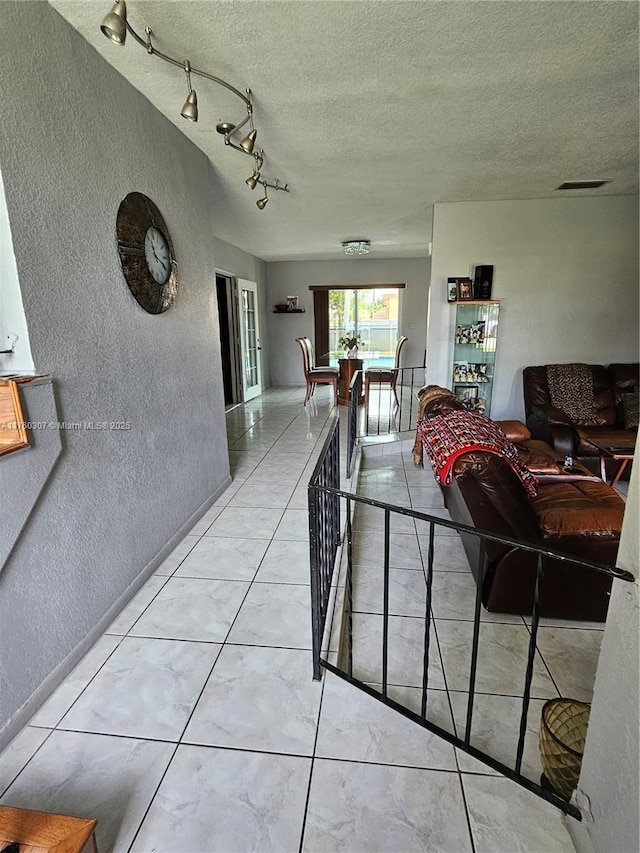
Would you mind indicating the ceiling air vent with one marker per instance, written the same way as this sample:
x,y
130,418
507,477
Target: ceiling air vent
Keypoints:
x,y
581,185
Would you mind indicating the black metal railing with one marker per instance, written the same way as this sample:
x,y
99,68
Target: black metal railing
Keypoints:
x,y
324,535
355,393
317,492
393,408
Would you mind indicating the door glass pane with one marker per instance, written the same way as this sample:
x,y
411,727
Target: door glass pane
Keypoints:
x,y
249,339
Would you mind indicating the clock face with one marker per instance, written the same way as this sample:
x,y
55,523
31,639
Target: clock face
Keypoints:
x,y
146,253
156,251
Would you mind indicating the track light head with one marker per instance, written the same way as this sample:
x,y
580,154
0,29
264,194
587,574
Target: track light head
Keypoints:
x,y
249,141
114,25
262,202
225,127
253,180
190,109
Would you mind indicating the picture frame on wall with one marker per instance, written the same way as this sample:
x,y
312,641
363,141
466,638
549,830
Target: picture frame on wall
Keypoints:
x,y
464,289
468,394
452,289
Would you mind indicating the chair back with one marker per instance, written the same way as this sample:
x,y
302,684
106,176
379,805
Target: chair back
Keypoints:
x,y
401,342
307,354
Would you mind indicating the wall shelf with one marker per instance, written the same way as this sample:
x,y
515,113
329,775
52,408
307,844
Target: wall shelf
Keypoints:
x,y
291,311
476,302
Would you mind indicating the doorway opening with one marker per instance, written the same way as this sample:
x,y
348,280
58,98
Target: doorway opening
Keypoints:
x,y
226,290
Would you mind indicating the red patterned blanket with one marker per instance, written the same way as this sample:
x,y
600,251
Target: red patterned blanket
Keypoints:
x,y
447,436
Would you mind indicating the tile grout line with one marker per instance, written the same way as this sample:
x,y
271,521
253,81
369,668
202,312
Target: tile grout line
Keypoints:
x,y
205,683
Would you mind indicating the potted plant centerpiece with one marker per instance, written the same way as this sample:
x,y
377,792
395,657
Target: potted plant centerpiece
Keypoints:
x,y
351,342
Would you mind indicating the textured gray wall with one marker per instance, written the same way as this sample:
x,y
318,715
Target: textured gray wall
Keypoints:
x,y
294,278
75,138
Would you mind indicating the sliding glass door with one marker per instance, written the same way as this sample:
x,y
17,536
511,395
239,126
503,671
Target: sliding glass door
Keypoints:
x,y
371,313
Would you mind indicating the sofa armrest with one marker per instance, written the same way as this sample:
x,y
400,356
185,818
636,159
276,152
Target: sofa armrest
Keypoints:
x,y
562,438
515,431
551,415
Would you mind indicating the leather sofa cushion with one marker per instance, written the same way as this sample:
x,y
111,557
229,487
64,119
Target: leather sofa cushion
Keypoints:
x,y
538,457
631,409
580,509
625,378
515,431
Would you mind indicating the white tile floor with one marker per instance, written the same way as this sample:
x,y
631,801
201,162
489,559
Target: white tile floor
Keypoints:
x,y
193,725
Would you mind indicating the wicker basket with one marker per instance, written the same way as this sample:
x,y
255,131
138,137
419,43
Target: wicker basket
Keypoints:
x,y
563,730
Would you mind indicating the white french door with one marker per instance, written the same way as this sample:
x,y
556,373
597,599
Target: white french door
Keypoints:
x,y
250,339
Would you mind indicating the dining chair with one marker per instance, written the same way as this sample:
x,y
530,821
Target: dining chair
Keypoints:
x,y
316,375
385,375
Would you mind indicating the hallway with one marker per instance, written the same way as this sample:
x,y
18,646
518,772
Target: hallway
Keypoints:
x,y
194,726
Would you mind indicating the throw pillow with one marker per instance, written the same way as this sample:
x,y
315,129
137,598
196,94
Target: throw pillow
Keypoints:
x,y
631,408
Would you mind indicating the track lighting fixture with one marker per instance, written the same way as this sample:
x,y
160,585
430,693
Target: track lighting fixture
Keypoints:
x,y
190,109
115,27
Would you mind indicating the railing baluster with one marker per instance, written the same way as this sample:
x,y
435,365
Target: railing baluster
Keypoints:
x,y
355,391
474,646
427,621
349,591
314,560
411,425
385,604
324,535
535,618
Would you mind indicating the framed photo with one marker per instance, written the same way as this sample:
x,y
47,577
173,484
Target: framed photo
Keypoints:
x,y
452,289
477,372
465,289
468,394
476,332
463,334
460,370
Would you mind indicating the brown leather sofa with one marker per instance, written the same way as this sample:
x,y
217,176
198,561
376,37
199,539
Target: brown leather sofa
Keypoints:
x,y
574,513
554,426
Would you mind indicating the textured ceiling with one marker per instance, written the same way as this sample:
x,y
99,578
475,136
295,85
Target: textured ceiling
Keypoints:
x,y
372,110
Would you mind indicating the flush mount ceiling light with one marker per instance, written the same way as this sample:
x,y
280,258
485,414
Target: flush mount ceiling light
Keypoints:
x,y
356,247
115,27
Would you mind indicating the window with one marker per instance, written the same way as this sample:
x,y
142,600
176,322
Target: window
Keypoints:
x,y
371,313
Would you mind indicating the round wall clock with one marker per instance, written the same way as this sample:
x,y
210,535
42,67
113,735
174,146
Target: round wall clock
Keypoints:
x,y
146,253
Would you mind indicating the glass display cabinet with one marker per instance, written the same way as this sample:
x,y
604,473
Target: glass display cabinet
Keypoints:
x,y
474,352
